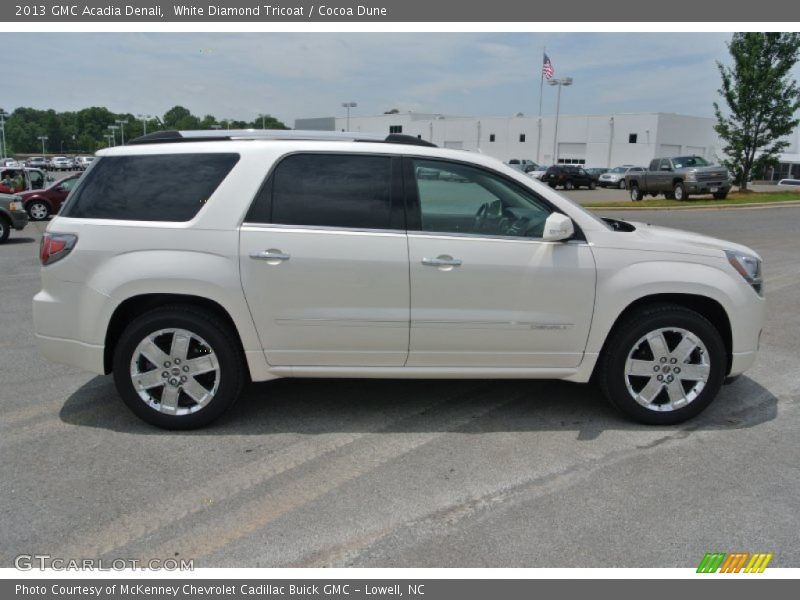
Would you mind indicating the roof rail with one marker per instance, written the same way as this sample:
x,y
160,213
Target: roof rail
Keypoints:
x,y
208,135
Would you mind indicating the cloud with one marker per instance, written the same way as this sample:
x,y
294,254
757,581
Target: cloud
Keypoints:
x,y
292,75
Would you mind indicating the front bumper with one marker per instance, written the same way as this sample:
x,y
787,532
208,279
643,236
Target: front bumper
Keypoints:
x,y
707,187
19,219
608,182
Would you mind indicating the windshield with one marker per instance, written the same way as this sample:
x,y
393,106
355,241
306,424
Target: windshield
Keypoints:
x,y
618,170
682,162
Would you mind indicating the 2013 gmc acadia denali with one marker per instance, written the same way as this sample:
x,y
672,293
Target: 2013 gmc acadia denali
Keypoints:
x,y
188,263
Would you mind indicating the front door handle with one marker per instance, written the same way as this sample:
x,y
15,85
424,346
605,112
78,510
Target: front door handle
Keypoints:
x,y
443,260
272,255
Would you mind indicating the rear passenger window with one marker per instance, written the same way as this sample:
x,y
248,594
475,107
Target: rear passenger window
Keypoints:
x,y
333,190
153,187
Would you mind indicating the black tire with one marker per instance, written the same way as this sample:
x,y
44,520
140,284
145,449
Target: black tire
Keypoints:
x,y
221,340
622,185
721,195
569,185
636,193
679,192
5,228
552,185
611,369
592,185
33,208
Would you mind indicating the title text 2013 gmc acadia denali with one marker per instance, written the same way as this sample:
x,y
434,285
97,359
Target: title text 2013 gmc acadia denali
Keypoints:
x,y
188,263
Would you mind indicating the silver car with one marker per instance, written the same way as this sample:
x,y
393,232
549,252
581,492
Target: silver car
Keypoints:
x,y
616,176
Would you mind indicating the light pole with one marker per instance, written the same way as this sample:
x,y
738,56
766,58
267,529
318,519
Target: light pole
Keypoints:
x,y
564,81
144,119
216,126
109,139
122,123
348,106
113,129
3,115
43,139
263,120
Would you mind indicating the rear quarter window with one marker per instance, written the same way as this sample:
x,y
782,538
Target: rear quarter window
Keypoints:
x,y
153,187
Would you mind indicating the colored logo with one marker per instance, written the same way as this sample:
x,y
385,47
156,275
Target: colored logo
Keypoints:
x,y
736,562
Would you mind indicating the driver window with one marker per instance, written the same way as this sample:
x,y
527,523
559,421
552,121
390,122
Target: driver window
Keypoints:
x,y
456,198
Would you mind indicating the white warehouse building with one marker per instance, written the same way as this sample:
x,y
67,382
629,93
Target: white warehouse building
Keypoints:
x,y
591,140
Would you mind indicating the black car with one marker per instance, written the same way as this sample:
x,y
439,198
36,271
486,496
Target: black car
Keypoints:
x,y
569,177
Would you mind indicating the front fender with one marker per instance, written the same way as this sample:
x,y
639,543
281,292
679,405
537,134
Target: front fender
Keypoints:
x,y
618,288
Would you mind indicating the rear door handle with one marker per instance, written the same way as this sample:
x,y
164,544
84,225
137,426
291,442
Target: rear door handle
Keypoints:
x,y
442,261
271,255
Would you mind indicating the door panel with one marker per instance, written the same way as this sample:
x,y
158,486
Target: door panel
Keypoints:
x,y
340,299
486,291
324,261
511,303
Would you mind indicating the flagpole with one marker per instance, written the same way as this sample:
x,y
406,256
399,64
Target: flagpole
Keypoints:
x,y
541,89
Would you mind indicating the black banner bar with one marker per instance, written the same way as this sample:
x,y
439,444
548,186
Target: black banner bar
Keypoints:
x,y
288,11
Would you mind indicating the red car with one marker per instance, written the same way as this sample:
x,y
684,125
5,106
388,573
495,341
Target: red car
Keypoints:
x,y
40,204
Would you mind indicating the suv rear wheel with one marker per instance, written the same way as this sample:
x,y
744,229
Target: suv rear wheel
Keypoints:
x,y
664,365
178,367
569,185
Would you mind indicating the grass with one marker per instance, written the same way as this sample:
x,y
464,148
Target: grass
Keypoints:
x,y
732,199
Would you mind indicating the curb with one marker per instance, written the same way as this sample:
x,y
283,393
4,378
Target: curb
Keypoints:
x,y
750,206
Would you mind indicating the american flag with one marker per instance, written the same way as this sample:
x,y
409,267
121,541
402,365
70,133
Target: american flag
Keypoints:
x,y
547,67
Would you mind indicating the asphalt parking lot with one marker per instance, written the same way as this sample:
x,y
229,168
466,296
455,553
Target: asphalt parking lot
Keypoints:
x,y
407,473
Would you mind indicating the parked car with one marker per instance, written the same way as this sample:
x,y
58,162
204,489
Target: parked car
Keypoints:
x,y
14,180
37,162
82,162
616,176
12,215
521,163
679,177
189,268
61,163
9,162
537,173
790,183
40,204
569,177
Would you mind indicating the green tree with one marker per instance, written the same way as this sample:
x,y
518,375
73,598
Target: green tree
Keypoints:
x,y
762,101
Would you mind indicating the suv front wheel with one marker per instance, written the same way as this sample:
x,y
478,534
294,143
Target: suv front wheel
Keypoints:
x,y
663,365
178,367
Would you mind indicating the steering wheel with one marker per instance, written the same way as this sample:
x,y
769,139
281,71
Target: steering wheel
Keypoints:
x,y
480,217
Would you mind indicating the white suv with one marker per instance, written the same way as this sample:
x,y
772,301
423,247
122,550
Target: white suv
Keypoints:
x,y
189,263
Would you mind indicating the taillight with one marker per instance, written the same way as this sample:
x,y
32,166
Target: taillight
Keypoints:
x,y
56,246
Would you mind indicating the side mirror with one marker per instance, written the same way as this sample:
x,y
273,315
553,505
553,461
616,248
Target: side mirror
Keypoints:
x,y
558,227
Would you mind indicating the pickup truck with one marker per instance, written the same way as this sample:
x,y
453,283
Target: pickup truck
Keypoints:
x,y
678,177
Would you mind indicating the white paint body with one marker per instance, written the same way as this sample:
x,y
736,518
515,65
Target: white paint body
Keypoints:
x,y
360,303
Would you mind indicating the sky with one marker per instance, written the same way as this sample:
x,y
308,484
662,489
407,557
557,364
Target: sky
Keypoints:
x,y
296,75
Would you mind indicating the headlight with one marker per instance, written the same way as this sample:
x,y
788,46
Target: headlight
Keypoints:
x,y
15,206
748,267
691,176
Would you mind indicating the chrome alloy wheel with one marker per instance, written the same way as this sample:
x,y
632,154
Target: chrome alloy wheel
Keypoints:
x,y
667,369
39,211
175,371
